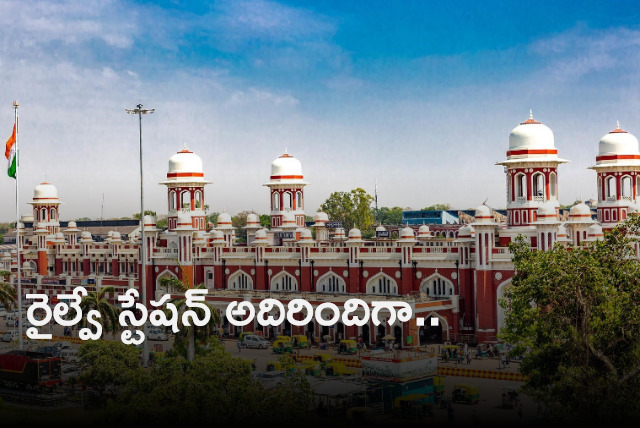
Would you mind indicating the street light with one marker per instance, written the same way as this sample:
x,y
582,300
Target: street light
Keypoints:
x,y
143,277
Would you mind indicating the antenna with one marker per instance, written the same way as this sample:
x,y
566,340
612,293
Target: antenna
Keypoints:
x,y
376,200
102,210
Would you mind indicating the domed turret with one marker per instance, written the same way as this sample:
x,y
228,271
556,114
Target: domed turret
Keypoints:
x,y
406,234
45,192
465,231
618,142
224,221
531,135
288,219
483,214
355,235
580,211
321,218
253,220
286,185
287,169
185,221
305,235
594,232
184,162
424,232
547,213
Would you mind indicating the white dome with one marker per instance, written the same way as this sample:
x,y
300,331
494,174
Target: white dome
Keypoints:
x,y
381,229
595,231
288,218
149,220
116,236
465,231
580,210
531,134
423,231
407,233
483,213
59,235
185,161
562,232
216,234
224,221
618,142
184,220
305,235
45,192
286,167
72,225
547,211
85,235
339,233
253,219
355,233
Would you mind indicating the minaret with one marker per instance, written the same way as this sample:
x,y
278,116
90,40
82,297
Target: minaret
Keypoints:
x,y
46,207
286,186
185,189
618,174
532,171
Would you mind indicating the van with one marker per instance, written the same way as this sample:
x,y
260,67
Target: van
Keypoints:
x,y
70,356
255,341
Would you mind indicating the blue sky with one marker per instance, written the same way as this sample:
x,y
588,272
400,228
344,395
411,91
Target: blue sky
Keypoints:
x,y
420,96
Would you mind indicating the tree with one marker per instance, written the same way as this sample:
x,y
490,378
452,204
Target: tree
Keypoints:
x,y
352,208
212,218
190,333
110,367
146,212
390,216
437,207
83,219
577,309
239,221
265,220
108,313
8,294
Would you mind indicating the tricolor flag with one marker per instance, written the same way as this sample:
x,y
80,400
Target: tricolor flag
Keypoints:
x,y
10,152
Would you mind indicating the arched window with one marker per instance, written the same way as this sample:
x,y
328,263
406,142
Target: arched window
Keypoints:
x,y
538,186
611,187
627,187
53,214
284,282
287,202
185,200
240,281
599,188
172,201
198,200
43,214
299,201
553,186
382,284
437,286
330,283
521,186
275,201
638,185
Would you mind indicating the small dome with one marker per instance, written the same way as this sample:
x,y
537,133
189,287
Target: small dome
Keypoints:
x,y
381,229
618,142
149,221
253,219
407,233
286,167
580,210
546,209
72,225
26,266
465,231
59,235
423,231
261,234
20,225
116,236
355,233
483,213
110,234
595,231
184,220
531,134
185,161
288,219
321,216
45,192
224,221
339,233
85,235
562,232
633,209
26,218
216,234
305,235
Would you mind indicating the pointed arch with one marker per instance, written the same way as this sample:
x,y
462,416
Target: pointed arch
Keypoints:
x,y
275,201
331,283
437,286
443,323
160,291
500,313
381,283
240,280
284,281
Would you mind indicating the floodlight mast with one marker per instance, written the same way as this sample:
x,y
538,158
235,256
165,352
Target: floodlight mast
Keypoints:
x,y
143,270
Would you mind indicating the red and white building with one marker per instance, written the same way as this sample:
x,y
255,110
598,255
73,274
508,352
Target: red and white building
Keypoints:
x,y
457,281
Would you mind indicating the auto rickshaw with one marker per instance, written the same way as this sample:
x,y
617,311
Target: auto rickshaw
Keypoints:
x,y
310,368
348,346
287,338
323,358
413,406
300,341
465,393
278,366
450,351
280,346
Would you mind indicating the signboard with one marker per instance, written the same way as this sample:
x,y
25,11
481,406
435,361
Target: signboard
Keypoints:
x,y
285,235
55,281
76,281
391,367
383,234
333,224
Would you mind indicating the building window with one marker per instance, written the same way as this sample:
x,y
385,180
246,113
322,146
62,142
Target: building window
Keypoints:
x,y
198,200
172,200
275,201
287,202
299,201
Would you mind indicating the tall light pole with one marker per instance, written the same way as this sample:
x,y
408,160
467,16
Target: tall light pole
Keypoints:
x,y
143,270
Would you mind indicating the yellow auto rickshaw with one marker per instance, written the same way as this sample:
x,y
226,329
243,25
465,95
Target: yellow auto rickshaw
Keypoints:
x,y
310,368
300,341
323,358
465,393
280,346
287,338
338,369
413,406
348,346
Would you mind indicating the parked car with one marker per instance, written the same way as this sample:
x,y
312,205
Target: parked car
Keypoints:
x,y
255,341
70,356
157,334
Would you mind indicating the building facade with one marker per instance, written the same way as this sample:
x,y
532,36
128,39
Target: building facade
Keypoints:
x,y
455,278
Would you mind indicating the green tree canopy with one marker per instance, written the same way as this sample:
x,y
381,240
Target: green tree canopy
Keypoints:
x,y
146,212
265,220
437,207
352,208
578,310
390,216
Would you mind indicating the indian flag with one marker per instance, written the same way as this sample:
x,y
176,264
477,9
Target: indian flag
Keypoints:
x,y
10,152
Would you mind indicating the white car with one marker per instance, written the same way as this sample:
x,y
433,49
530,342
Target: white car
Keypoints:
x,y
157,334
255,341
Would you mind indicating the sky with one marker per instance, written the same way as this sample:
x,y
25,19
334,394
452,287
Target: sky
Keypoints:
x,y
418,96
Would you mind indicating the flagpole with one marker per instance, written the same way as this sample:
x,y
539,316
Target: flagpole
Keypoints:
x,y
19,274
